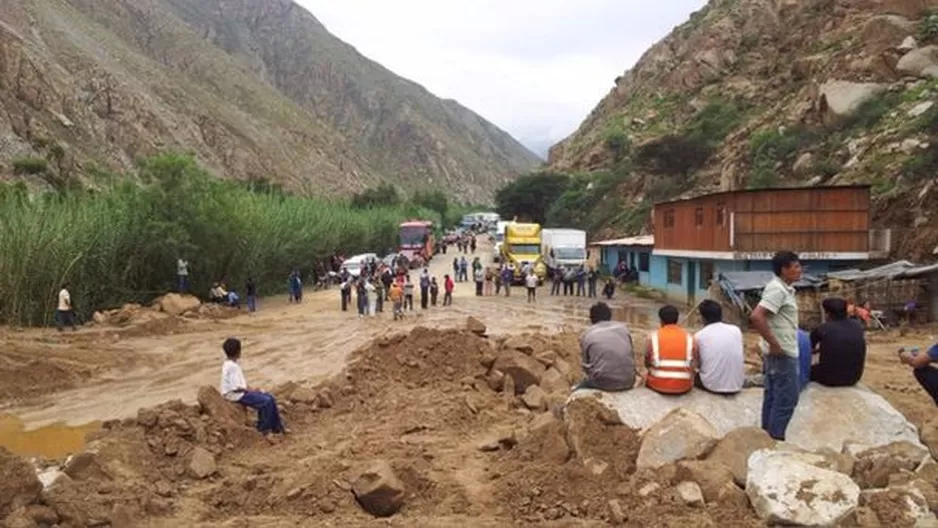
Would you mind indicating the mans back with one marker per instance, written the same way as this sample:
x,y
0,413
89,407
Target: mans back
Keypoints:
x,y
722,362
842,353
608,360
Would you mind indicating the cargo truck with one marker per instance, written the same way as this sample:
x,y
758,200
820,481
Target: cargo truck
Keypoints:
x,y
522,249
564,249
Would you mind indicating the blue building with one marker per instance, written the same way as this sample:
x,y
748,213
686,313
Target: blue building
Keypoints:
x,y
634,252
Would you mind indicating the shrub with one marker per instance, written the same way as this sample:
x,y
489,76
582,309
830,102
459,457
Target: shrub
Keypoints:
x,y
119,245
928,27
30,165
531,196
715,121
872,111
618,142
674,155
922,166
383,195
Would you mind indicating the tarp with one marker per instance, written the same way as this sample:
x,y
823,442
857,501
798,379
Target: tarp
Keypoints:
x,y
742,281
902,269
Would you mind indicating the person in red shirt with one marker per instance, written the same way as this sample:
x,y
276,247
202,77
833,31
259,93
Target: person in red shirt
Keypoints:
x,y
448,286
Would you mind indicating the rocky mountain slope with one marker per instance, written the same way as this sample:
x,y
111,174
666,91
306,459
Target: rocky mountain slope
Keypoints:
x,y
258,90
757,93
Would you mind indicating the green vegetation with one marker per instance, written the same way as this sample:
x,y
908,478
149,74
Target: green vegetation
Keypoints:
x,y
30,165
119,244
590,201
770,150
715,121
618,142
384,195
928,27
531,196
871,112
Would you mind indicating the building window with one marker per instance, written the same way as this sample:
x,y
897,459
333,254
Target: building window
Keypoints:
x,y
669,218
698,217
721,214
706,275
643,264
675,271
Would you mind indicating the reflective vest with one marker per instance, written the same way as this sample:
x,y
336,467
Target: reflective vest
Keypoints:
x,y
672,357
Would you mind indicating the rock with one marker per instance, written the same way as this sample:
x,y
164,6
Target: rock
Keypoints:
x,y
19,519
825,416
648,489
548,358
49,476
495,379
908,44
786,490
475,326
498,440
899,507
201,463
616,513
523,369
303,395
690,494
929,432
84,466
488,358
19,485
681,435
42,514
325,398
213,404
803,164
921,62
712,477
874,466
553,381
520,344
99,318
378,490
910,145
535,398
733,450
824,458
176,304
843,98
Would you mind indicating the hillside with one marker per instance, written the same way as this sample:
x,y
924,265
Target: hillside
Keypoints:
x,y
758,93
258,90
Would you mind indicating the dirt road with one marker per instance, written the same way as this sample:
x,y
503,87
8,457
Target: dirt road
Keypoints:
x,y
283,342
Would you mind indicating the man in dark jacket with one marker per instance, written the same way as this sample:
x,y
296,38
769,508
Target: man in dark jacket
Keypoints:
x,y
841,344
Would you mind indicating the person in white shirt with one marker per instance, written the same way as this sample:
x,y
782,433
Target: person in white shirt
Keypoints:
x,y
531,282
720,350
235,389
65,315
182,273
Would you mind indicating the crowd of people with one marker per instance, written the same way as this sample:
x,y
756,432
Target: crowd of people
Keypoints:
x,y
381,283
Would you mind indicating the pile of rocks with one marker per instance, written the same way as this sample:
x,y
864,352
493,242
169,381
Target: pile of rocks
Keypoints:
x,y
851,457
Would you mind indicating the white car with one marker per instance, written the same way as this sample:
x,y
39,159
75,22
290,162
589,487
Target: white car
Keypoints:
x,y
354,265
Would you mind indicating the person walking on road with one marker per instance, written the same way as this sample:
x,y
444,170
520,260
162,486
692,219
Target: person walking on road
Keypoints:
x,y
448,287
250,290
456,267
65,313
408,294
182,275
776,321
397,298
463,270
531,282
591,279
507,276
581,282
425,289
556,279
479,277
434,291
346,291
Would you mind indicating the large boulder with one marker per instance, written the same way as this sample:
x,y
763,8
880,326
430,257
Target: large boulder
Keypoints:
x,y
524,369
733,450
213,404
177,304
202,463
715,479
841,99
920,62
378,490
681,435
874,467
19,485
826,417
900,506
786,490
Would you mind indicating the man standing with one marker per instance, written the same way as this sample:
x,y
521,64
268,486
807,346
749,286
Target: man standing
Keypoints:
x,y
448,290
606,348
720,352
531,282
408,294
591,279
776,320
556,278
396,294
425,289
507,276
65,314
669,356
250,290
182,275
841,344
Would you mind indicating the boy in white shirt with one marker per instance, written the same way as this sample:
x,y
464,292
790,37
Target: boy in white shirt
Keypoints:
x,y
234,388
65,315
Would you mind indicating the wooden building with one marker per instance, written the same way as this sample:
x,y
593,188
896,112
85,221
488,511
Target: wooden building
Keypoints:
x,y
697,238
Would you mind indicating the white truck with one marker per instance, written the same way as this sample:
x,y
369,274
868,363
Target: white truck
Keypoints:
x,y
564,248
499,238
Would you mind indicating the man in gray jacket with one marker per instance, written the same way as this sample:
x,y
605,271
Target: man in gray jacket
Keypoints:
x,y
608,361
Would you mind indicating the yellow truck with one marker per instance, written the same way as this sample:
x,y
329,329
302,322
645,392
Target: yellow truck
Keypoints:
x,y
522,249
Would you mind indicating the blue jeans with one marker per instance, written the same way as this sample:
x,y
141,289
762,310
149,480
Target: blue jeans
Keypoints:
x,y
252,303
183,283
781,394
268,417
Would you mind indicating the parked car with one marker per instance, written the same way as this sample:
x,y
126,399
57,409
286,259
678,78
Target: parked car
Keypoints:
x,y
354,265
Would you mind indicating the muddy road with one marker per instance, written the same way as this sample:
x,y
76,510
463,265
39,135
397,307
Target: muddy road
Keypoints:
x,y
121,371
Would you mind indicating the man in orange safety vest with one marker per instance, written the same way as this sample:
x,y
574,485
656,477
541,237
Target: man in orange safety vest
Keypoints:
x,y
670,356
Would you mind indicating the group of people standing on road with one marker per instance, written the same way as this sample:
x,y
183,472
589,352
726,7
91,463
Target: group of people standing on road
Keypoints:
x,y
394,286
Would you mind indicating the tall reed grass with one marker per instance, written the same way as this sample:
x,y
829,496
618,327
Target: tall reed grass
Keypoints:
x,y
120,244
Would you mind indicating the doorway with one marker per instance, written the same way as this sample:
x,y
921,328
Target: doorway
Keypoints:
x,y
691,282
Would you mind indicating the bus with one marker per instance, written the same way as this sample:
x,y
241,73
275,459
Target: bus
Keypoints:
x,y
417,242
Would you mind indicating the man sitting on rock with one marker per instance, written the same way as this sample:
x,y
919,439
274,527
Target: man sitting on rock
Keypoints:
x,y
925,373
606,349
670,356
234,388
719,352
842,347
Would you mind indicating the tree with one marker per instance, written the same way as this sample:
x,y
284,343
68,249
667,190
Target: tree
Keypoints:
x,y
380,196
433,200
530,196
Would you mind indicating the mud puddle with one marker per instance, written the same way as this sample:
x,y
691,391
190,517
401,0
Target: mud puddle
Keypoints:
x,y
52,442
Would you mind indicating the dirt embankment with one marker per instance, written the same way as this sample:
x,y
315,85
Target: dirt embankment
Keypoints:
x,y
466,446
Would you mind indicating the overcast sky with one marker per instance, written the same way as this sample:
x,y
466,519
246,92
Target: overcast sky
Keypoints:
x,y
533,67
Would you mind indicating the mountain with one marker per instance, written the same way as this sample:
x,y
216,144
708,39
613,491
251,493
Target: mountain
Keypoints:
x,y
257,90
758,93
